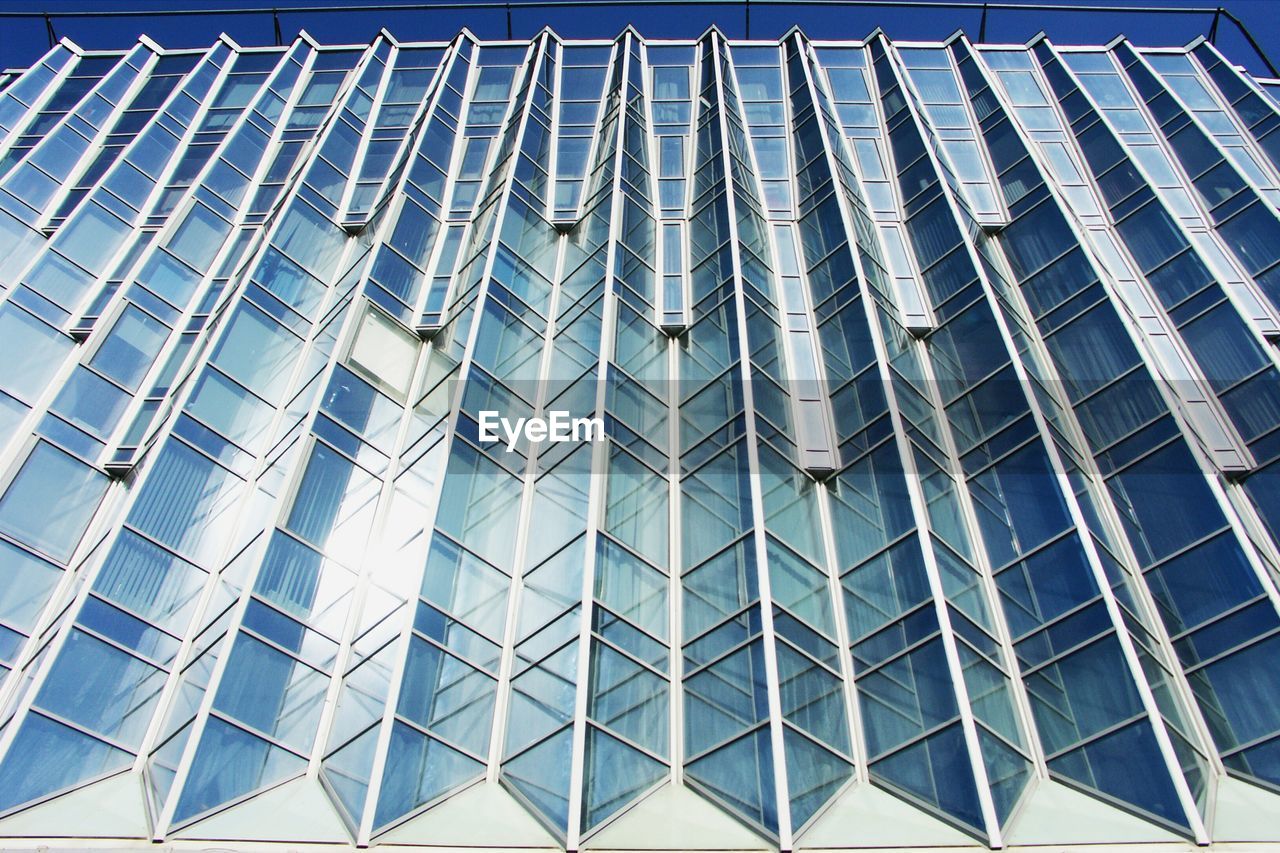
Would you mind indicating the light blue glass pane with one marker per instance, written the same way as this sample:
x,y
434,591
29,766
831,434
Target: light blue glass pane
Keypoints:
x,y
187,503
936,770
466,587
355,403
636,507
716,505
476,498
310,239
813,774
541,776
130,348
560,505
231,410
990,694
551,588
906,697
506,347
542,699
725,698
230,763
91,238
320,494
27,583
48,756
58,281
631,588
199,237
168,279
448,697
257,351
11,414
347,772
719,587
51,501
90,402
1007,773
270,691
290,574
150,581
790,504
30,352
102,688
615,774
741,775
800,587
627,699
1126,765
812,698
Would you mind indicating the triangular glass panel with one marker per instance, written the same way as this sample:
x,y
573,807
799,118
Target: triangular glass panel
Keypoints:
x,y
541,775
1007,772
725,698
542,698
814,775
740,774
615,774
937,771
812,698
229,763
1123,765
419,769
48,756
347,772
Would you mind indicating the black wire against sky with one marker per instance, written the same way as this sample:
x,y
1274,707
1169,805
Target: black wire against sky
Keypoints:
x,y
1218,13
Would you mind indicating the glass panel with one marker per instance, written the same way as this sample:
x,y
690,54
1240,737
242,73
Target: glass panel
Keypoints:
x,y
50,502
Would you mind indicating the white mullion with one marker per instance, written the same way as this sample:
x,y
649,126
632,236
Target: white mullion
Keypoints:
x,y
45,95
165,818
621,59
1067,491
1233,517
369,565
980,558
675,543
173,341
366,132
906,456
749,442
115,493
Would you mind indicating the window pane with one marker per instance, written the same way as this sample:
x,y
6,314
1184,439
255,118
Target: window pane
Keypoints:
x,y
49,504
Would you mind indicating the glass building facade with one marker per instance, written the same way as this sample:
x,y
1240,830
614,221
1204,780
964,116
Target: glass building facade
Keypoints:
x,y
938,502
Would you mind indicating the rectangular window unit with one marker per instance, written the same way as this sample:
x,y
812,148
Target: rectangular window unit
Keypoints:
x,y
673,316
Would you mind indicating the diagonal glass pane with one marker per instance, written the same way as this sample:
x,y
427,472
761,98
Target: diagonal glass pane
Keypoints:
x,y
615,774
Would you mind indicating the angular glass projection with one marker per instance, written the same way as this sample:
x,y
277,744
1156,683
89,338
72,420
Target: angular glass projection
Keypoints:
x,y
929,490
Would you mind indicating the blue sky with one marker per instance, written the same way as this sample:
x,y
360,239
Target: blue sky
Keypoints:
x,y
22,40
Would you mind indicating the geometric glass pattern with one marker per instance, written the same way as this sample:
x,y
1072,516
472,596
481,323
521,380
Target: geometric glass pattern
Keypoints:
x,y
940,452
